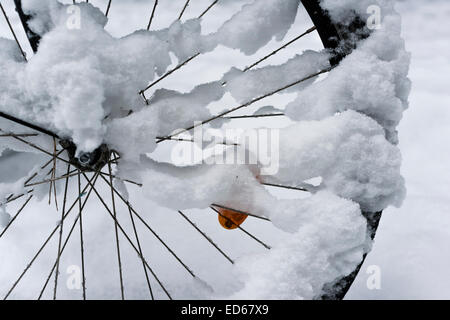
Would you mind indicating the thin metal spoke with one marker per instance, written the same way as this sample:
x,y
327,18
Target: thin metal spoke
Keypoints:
x,y
152,15
13,33
107,8
60,253
14,198
63,160
23,135
42,168
126,235
247,103
206,237
61,229
142,92
15,217
285,187
140,252
116,157
68,237
39,148
241,212
71,174
242,229
256,116
41,248
169,73
80,214
149,228
28,124
53,183
125,180
192,140
207,9
281,48
119,260
184,9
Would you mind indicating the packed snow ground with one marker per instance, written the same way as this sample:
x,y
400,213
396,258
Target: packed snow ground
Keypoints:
x,y
360,292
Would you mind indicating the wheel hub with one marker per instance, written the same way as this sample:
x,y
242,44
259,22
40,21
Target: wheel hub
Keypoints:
x,y
87,161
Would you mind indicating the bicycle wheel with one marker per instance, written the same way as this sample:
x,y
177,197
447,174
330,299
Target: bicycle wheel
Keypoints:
x,y
106,137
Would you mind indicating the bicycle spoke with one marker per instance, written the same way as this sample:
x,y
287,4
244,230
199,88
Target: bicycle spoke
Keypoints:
x,y
184,9
149,228
119,260
206,237
15,217
285,187
14,198
169,73
247,104
61,229
52,183
152,15
27,124
116,156
23,135
241,212
107,8
39,148
192,140
126,235
71,174
242,229
256,116
41,248
80,214
13,33
281,48
42,168
140,252
142,92
119,178
207,9
67,240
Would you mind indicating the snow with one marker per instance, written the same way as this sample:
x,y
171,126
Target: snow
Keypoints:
x,y
256,23
372,182
317,253
5,217
350,153
372,80
254,83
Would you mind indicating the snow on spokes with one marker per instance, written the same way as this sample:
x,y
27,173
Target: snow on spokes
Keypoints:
x,y
84,84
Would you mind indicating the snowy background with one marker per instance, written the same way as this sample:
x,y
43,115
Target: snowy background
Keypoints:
x,y
411,246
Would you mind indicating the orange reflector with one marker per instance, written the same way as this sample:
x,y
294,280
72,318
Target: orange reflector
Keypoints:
x,y
230,219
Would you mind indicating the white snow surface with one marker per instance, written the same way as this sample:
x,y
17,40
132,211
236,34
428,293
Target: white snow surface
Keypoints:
x,y
84,82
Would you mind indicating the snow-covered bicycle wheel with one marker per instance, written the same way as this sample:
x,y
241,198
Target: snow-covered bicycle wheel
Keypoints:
x,y
90,108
